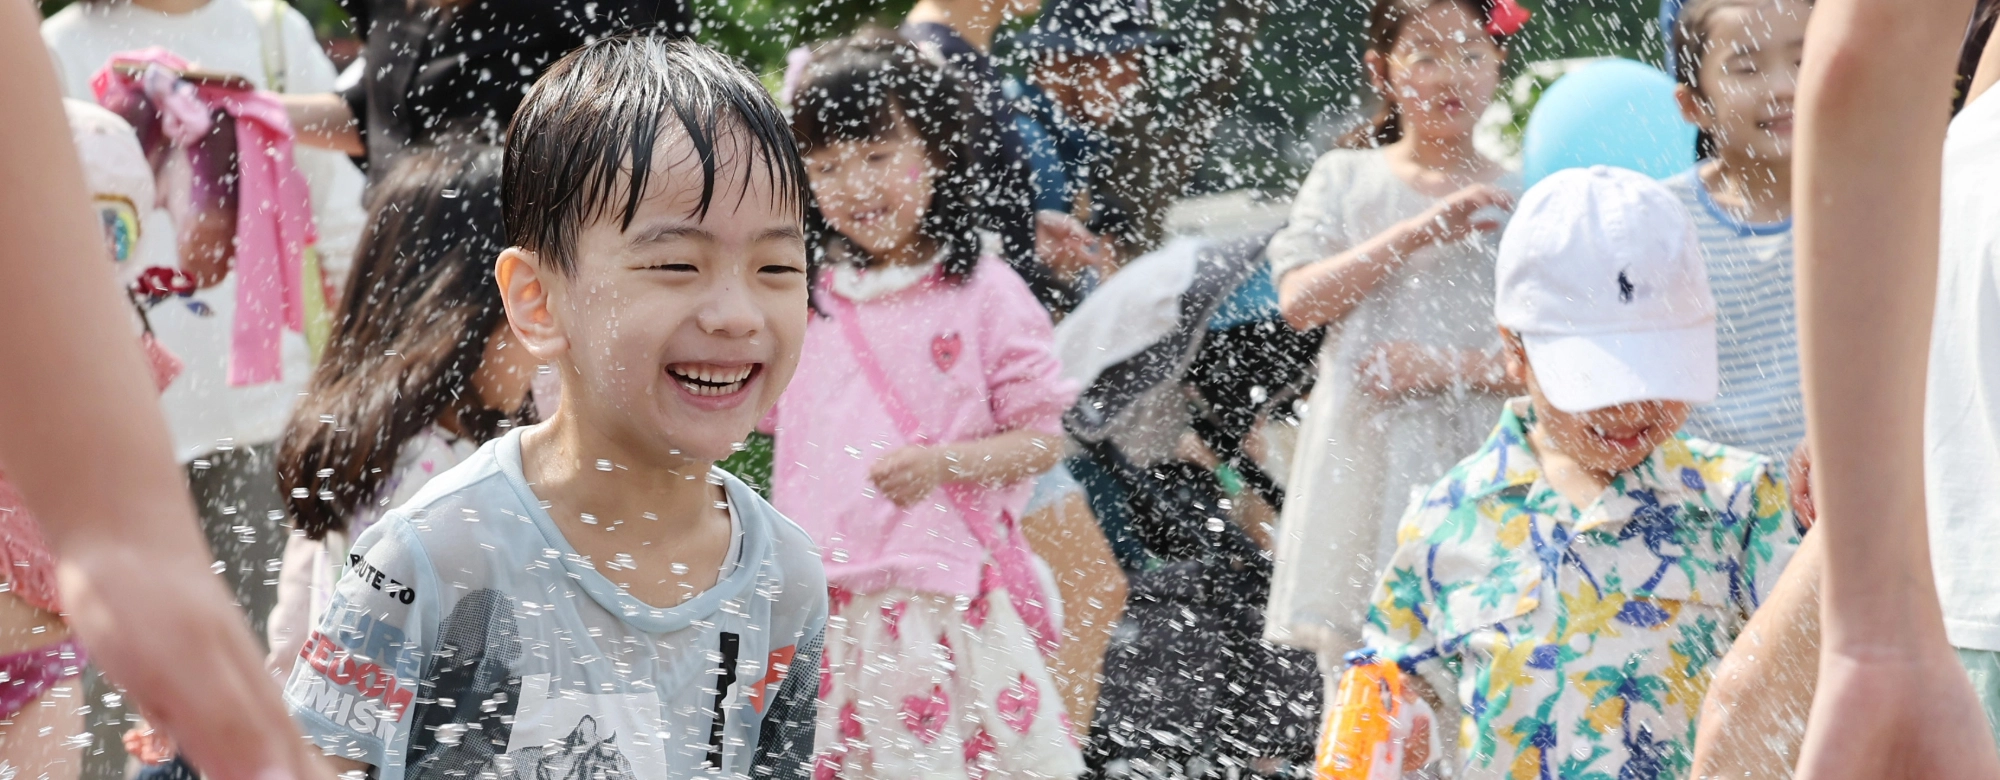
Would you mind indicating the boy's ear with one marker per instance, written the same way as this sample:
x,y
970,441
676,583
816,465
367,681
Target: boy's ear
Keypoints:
x,y
524,289
1516,356
1693,108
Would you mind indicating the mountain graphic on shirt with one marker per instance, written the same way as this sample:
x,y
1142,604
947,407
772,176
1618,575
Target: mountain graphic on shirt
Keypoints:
x,y
581,756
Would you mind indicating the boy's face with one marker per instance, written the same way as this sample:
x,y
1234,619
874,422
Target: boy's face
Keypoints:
x,y
675,336
1749,78
1608,440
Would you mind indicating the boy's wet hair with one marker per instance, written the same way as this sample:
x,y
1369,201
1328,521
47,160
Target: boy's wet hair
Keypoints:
x,y
870,86
581,146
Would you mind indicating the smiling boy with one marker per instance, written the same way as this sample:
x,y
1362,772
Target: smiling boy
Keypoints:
x,y
1575,580
590,597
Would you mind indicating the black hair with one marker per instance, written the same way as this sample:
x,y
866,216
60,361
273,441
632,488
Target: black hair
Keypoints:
x,y
581,146
1691,43
412,329
1385,26
866,87
1984,15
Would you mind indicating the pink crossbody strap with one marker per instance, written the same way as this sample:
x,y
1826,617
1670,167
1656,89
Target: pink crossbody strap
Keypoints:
x,y
1013,564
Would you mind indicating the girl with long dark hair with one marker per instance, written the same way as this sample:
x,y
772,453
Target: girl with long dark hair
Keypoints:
x,y
419,372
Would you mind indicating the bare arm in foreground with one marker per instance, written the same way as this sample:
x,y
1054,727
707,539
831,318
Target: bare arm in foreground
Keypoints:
x,y
1892,700
82,437
1755,713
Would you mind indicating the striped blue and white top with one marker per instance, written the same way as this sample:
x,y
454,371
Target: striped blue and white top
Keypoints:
x,y
1760,407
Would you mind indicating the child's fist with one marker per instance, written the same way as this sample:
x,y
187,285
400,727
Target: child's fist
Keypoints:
x,y
909,475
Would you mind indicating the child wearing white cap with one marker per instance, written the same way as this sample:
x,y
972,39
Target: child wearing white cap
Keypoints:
x,y
1574,581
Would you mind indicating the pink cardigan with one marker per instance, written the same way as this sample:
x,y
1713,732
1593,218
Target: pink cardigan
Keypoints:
x,y
971,360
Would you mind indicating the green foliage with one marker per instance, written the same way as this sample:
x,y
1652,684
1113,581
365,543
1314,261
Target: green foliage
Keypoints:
x,y
752,464
761,32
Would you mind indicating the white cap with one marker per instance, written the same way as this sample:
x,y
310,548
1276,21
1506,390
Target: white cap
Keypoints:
x,y
1601,275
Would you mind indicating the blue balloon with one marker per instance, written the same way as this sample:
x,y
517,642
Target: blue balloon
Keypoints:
x,y
1616,112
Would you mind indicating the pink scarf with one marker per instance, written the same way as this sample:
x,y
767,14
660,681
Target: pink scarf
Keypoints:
x,y
274,223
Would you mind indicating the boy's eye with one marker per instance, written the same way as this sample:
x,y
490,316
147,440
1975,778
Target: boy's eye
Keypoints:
x,y
875,157
781,269
676,267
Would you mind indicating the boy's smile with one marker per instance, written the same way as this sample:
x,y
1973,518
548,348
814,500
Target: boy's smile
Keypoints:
x,y
715,381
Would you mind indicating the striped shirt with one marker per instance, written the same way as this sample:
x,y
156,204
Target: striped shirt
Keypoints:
x,y
1760,407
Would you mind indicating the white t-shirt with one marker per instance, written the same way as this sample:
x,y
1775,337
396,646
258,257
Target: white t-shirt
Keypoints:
x,y
306,581
202,410
468,637
1961,410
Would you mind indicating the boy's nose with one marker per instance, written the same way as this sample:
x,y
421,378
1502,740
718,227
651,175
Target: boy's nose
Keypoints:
x,y
731,311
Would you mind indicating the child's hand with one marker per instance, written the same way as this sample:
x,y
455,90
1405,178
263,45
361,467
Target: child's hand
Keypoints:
x,y
150,745
1068,247
909,475
1480,208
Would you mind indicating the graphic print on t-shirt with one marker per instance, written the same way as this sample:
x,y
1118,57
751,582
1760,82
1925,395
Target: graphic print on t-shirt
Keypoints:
x,y
466,701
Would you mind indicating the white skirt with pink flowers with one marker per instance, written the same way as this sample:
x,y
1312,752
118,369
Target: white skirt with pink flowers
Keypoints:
x,y
926,685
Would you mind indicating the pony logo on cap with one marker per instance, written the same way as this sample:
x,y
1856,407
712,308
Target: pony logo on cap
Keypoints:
x,y
1625,287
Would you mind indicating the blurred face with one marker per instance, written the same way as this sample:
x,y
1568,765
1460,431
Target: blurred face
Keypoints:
x,y
874,192
1441,73
1091,87
1608,440
674,336
1749,77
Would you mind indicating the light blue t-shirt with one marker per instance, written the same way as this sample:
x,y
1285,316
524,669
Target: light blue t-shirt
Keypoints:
x,y
1759,407
469,639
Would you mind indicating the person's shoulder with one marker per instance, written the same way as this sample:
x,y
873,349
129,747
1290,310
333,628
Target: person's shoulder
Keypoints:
x,y
1687,186
1721,471
792,549
992,278
466,503
74,24
1347,161
788,540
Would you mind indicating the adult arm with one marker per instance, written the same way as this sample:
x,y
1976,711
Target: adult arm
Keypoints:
x,y
81,436
1874,99
324,120
1755,714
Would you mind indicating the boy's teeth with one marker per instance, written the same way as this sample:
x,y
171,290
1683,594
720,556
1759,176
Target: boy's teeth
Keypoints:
x,y
711,380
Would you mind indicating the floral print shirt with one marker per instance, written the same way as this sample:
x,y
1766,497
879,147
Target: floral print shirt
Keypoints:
x,y
1579,641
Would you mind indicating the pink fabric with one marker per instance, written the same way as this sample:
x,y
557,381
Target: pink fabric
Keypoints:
x,y
30,568
274,207
970,361
30,571
1013,563
25,675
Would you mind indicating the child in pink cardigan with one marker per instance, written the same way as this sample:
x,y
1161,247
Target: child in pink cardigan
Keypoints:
x,y
927,396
